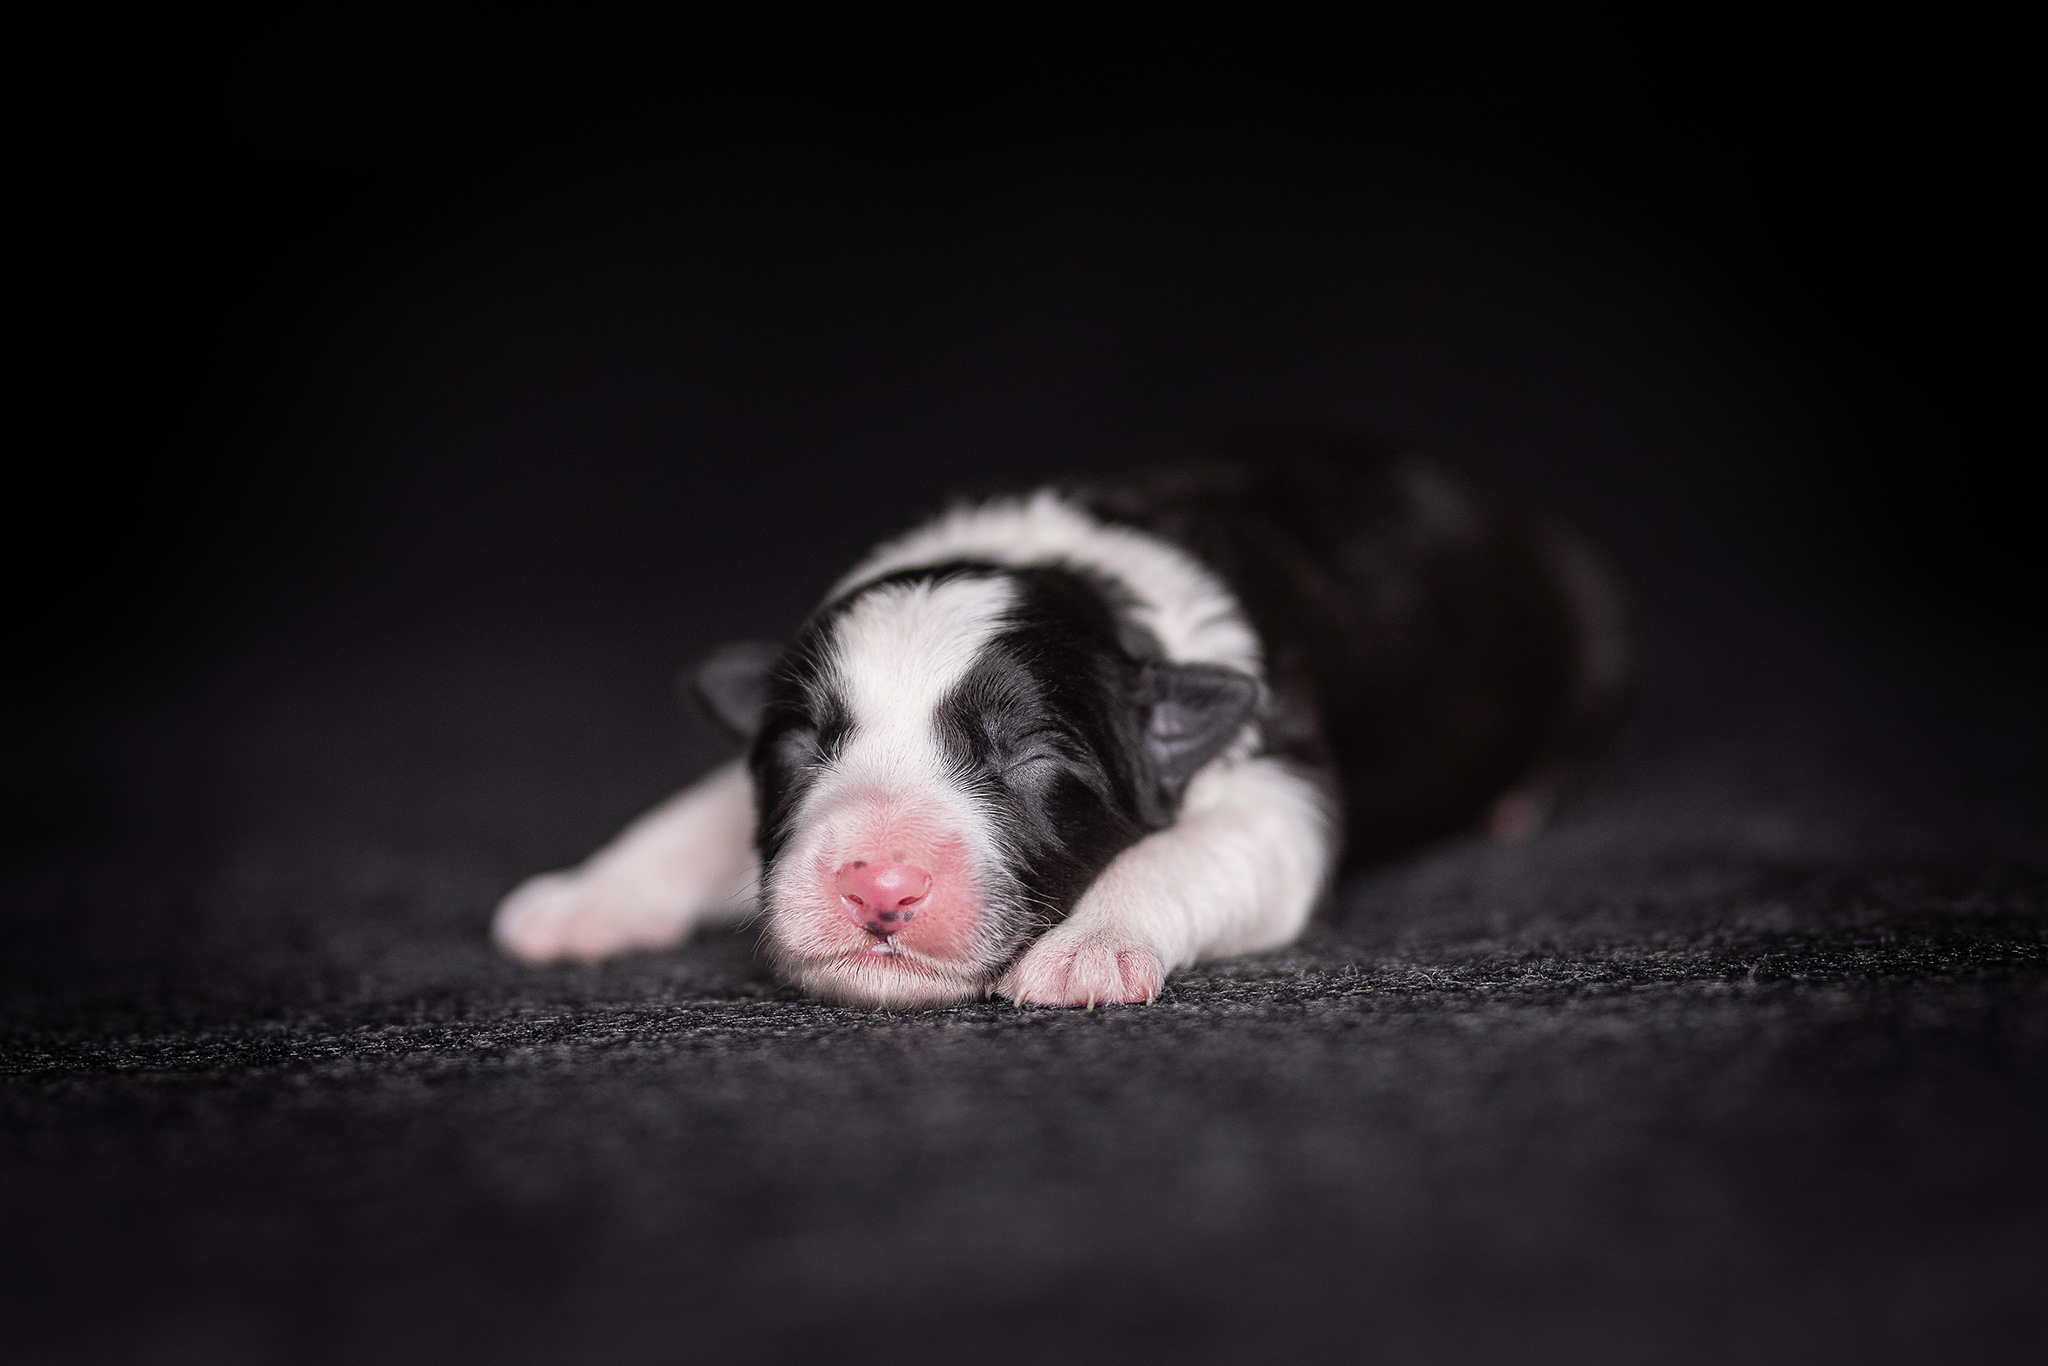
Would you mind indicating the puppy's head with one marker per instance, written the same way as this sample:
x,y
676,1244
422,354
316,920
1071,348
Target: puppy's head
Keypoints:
x,y
945,759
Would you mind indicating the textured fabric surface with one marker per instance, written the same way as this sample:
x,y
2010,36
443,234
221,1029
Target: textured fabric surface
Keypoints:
x,y
1744,1058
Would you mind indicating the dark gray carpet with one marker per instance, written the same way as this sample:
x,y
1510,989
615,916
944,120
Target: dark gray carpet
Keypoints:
x,y
1744,1059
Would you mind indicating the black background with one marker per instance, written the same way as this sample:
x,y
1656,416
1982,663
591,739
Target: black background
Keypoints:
x,y
403,407
353,330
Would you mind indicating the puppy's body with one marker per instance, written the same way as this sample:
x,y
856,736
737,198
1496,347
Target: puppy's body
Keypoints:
x,y
1059,746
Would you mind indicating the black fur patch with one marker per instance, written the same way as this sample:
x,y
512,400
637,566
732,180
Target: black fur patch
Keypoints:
x,y
1048,729
1071,730
1428,648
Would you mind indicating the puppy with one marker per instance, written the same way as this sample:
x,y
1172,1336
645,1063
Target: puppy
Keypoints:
x,y
1055,747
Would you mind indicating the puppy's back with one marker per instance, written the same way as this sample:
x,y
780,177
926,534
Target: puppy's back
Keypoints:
x,y
1439,654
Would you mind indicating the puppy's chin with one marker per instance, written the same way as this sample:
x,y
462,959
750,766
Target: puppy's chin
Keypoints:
x,y
887,981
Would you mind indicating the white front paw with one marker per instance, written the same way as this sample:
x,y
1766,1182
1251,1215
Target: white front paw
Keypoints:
x,y
567,915
1084,968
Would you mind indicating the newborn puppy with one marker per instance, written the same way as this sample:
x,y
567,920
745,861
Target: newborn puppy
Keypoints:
x,y
1056,747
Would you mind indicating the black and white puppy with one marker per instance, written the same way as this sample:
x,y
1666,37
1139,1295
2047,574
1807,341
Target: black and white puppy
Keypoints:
x,y
1057,746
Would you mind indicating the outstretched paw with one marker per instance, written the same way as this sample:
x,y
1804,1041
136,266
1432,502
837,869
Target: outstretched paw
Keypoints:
x,y
1083,970
563,915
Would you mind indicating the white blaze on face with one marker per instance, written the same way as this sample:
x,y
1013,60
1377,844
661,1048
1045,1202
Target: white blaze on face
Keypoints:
x,y
899,651
891,797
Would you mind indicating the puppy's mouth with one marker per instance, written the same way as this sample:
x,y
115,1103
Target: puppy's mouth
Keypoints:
x,y
902,954
888,975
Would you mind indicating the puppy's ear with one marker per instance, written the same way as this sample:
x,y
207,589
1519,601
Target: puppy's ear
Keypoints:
x,y
731,687
1196,710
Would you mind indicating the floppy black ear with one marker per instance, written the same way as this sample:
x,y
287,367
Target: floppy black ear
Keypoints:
x,y
1197,709
731,687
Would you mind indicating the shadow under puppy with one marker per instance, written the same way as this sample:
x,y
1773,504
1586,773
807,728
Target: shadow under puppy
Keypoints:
x,y
1057,746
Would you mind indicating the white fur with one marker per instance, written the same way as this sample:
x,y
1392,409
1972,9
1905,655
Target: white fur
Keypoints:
x,y
1196,619
894,656
896,653
1239,871
688,862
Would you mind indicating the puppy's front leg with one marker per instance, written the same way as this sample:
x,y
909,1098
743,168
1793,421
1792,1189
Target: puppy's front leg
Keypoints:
x,y
688,862
1239,871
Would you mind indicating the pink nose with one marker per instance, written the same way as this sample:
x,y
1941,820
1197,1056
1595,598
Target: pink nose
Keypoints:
x,y
882,897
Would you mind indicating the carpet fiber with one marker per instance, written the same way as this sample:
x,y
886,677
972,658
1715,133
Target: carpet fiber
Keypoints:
x,y
1744,1058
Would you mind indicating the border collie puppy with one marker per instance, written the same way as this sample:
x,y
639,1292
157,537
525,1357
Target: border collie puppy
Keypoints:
x,y
1055,747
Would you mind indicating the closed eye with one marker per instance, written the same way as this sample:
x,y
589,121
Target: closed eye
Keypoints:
x,y
798,745
1045,749
1046,742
